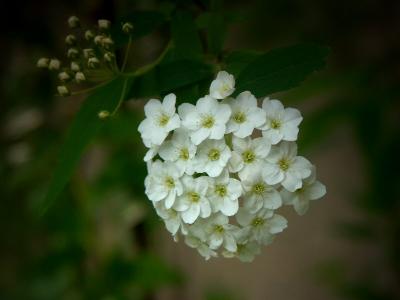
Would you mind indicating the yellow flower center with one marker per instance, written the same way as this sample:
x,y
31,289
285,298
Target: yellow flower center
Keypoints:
x,y
248,156
194,197
275,124
257,222
284,164
220,190
219,228
184,154
208,121
239,117
258,188
169,182
163,120
214,154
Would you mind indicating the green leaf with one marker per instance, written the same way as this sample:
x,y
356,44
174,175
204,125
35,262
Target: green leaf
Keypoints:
x,y
83,129
281,69
144,22
236,61
169,76
185,36
216,27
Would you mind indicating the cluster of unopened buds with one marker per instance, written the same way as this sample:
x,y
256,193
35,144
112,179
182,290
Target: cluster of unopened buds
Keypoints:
x,y
219,170
90,54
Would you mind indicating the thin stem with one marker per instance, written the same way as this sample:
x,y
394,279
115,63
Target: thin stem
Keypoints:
x,y
91,88
121,99
150,66
126,54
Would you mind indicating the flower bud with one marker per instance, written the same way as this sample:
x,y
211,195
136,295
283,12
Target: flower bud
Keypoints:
x,y
88,53
75,66
104,24
107,42
98,39
104,114
80,77
70,39
63,76
72,53
89,35
93,62
43,62
127,27
73,22
63,90
109,57
54,64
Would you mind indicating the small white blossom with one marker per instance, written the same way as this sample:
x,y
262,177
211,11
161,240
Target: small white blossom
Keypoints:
x,y
224,193
202,247
246,115
205,120
193,201
179,150
163,183
263,225
160,120
223,86
246,250
171,218
212,157
252,153
258,194
282,123
312,190
284,166
220,232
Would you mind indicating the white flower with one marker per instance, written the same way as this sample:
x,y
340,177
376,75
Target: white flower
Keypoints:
x,y
193,201
205,120
171,218
300,199
224,193
212,157
220,232
252,153
201,246
160,120
259,194
222,86
263,225
246,250
283,166
179,150
152,152
282,123
163,182
245,115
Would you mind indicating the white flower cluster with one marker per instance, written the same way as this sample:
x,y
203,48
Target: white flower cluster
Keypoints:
x,y
224,167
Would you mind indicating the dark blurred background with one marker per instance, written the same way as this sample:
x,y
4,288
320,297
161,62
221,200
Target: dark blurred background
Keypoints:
x,y
102,240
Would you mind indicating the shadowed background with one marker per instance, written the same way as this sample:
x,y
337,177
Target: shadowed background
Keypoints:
x,y
102,239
